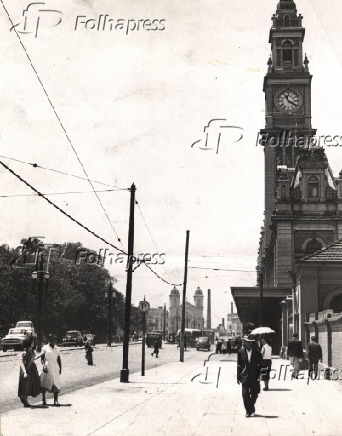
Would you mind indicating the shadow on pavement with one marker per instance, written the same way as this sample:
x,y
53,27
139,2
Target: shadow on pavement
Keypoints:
x,y
38,406
264,416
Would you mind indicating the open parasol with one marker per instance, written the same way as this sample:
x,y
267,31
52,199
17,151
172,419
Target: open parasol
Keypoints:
x,y
262,331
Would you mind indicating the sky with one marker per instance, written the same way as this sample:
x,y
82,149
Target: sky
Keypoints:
x,y
126,106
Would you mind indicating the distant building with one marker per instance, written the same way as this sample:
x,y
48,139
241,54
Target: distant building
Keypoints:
x,y
155,319
234,324
193,312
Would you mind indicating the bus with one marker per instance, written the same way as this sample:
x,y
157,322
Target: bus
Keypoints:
x,y
191,336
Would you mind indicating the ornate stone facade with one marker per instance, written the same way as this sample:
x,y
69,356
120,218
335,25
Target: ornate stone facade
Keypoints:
x,y
193,312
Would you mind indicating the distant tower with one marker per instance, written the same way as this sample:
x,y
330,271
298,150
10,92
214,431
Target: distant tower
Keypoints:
x,y
198,298
174,312
209,310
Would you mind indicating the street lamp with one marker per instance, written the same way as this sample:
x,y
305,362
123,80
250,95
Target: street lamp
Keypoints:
x,y
110,297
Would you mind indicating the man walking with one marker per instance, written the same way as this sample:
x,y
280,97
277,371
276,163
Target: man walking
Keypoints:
x,y
249,361
155,348
295,353
314,354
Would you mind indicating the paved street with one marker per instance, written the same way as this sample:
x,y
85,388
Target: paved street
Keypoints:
x,y
76,374
185,399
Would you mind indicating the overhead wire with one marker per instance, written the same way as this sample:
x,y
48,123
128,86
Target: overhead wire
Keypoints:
x,y
57,193
35,165
62,125
40,194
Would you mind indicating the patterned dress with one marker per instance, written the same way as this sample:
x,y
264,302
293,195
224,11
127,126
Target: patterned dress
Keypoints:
x,y
50,379
29,386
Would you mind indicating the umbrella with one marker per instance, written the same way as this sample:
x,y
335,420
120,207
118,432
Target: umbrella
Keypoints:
x,y
262,330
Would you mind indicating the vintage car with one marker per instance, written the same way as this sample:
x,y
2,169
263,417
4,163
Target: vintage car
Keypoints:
x,y
72,337
203,342
14,339
152,337
30,330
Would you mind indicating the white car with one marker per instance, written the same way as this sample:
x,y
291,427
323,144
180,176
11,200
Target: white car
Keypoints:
x,y
30,330
15,339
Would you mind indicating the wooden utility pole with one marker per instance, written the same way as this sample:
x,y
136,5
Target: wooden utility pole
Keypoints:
x,y
261,279
110,296
124,374
164,324
184,295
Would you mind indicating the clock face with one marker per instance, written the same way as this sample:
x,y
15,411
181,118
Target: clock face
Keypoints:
x,y
288,101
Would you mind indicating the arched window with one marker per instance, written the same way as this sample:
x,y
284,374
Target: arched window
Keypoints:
x,y
312,246
286,21
336,304
287,53
313,187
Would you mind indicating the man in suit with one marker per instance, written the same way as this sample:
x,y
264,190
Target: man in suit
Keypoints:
x,y
314,354
249,361
295,353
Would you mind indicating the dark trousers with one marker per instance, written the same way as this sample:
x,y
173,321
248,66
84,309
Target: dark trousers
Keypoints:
x,y
313,367
249,396
156,352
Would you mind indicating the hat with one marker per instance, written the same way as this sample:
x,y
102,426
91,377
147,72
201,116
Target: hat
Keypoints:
x,y
249,338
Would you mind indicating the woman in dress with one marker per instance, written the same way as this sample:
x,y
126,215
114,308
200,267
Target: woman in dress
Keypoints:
x,y
29,382
52,368
89,353
266,352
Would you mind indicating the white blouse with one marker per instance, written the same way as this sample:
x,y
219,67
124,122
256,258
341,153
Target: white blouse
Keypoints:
x,y
266,352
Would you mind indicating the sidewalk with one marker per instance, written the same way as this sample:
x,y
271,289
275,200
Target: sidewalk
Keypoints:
x,y
182,399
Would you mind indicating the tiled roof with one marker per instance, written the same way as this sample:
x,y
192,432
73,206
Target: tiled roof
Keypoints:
x,y
331,253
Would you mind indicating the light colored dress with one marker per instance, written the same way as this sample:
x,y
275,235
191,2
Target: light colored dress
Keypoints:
x,y
50,380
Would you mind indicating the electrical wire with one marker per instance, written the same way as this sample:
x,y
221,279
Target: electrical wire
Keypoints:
x,y
62,125
61,210
222,269
79,223
56,193
35,165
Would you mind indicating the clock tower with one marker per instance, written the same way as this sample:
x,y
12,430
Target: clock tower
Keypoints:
x,y
287,88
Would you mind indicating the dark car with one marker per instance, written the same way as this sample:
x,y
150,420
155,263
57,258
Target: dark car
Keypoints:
x,y
72,337
203,342
152,337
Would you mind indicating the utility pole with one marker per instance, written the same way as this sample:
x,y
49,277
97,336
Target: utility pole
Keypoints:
x,y
124,374
40,302
109,343
261,279
164,327
143,344
184,294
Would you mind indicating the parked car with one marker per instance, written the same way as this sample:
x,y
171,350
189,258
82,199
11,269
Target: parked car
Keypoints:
x,y
30,330
72,337
88,337
203,342
152,337
14,339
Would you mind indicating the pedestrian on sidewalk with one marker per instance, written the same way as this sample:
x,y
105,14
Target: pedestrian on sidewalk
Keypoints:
x,y
295,353
218,346
29,382
314,354
155,349
52,368
89,353
266,352
249,361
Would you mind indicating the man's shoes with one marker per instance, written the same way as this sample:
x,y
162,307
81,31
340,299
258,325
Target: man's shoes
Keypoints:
x,y
248,415
151,354
265,389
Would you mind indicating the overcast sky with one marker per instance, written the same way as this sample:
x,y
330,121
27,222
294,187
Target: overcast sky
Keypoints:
x,y
132,104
